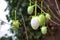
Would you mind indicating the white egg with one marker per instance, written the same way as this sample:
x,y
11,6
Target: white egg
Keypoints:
x,y
35,23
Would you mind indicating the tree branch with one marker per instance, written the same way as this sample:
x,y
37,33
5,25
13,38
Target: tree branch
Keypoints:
x,y
57,6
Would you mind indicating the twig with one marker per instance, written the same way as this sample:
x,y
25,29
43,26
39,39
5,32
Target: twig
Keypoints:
x,y
24,26
54,22
57,6
57,12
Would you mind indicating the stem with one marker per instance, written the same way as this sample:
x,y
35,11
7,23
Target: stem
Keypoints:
x,y
41,6
15,14
30,2
35,7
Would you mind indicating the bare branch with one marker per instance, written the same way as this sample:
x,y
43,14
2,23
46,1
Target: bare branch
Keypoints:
x,y
54,22
57,6
57,12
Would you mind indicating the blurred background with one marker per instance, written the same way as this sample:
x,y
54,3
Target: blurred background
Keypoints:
x,y
24,31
